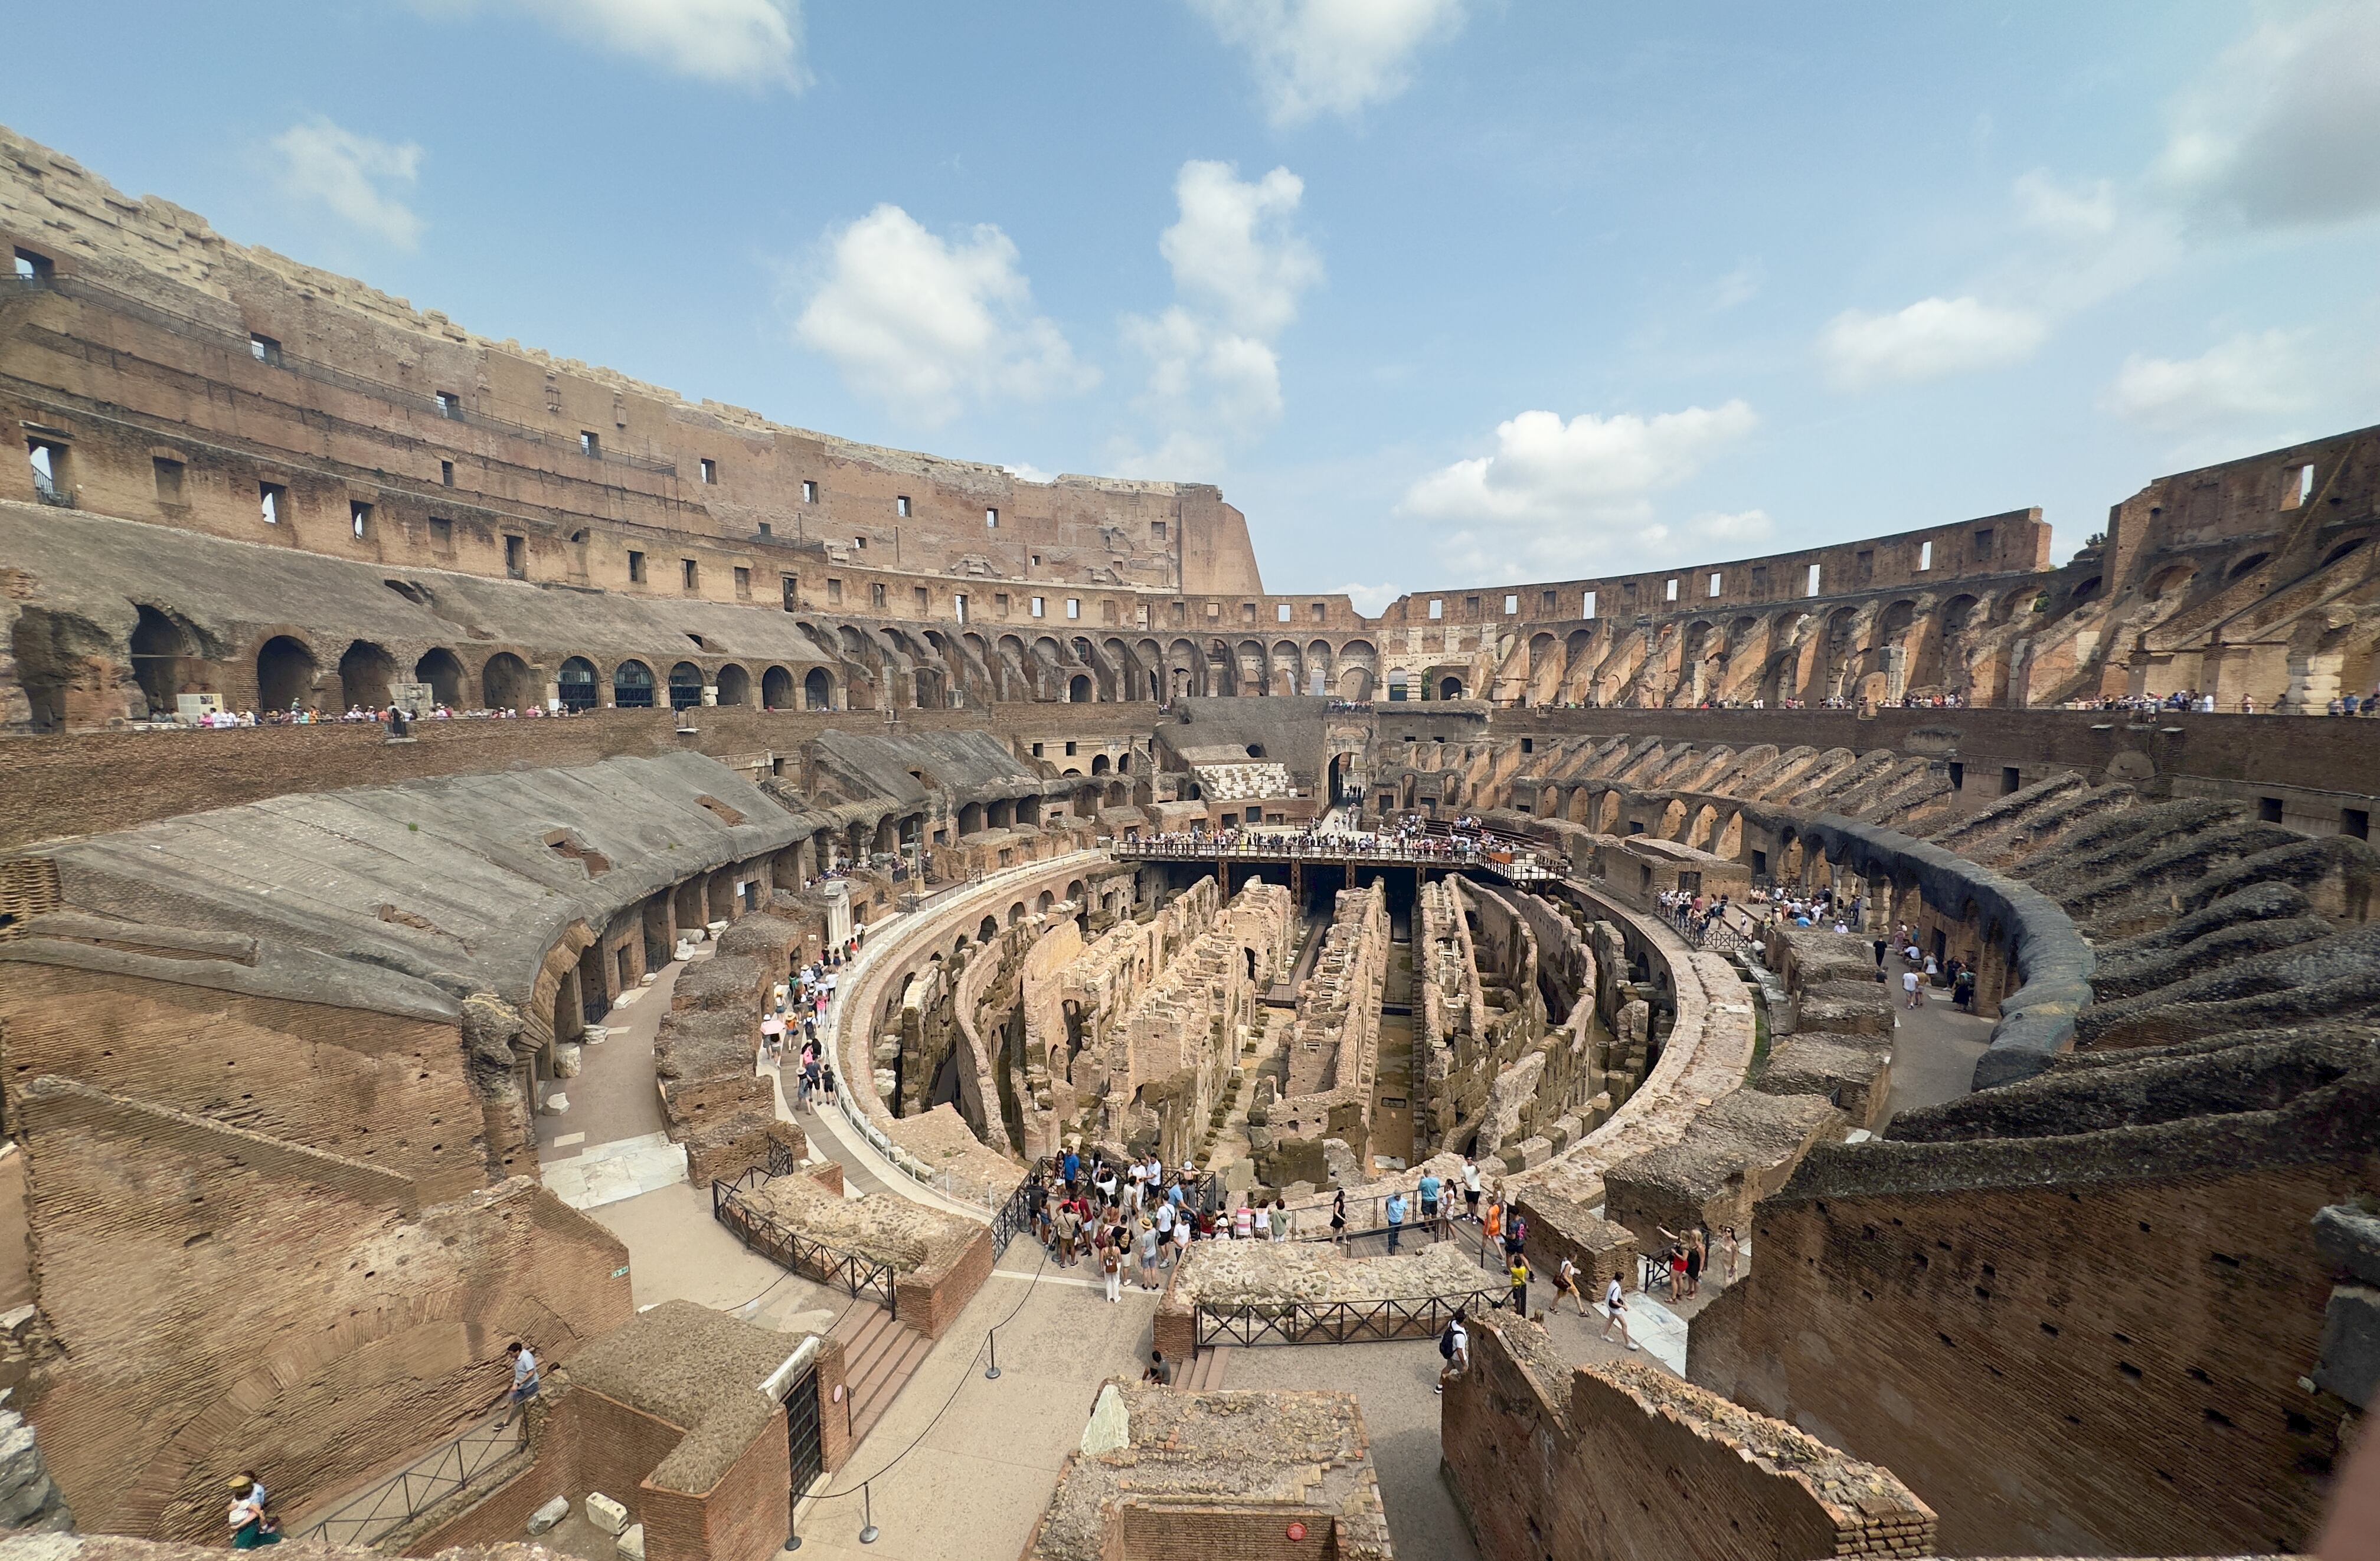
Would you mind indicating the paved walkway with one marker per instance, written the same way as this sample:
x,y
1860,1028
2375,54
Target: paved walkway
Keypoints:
x,y
1934,1047
612,1145
967,1464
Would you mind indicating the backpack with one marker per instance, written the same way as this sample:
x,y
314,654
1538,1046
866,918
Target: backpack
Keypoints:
x,y
1446,1343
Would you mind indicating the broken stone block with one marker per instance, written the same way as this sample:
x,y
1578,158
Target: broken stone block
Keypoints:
x,y
630,1546
546,1516
556,1104
608,1516
568,1055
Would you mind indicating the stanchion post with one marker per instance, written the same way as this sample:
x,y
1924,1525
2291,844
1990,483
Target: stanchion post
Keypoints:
x,y
991,1338
868,1535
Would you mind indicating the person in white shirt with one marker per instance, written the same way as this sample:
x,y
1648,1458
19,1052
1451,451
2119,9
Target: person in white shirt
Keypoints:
x,y
1471,1189
1615,1308
1908,984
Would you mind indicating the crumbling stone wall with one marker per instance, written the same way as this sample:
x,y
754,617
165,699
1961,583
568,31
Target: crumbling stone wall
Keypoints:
x,y
1333,1052
219,1359
1625,1461
2133,1304
1835,1041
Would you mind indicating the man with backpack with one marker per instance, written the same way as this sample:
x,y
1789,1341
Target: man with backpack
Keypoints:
x,y
1454,1348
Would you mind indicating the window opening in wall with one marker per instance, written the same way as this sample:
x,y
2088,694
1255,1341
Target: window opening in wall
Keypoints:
x,y
1322,612
764,528
1280,613
743,582
991,520
2299,487
273,500
1528,744
442,534
264,349
861,543
2268,810
1958,776
876,594
1586,605
810,492
1036,750
1074,607
1714,585
790,588
958,606
2355,822
1812,590
900,506
446,474
1984,544
1156,531
33,266
49,463
1512,605
1037,606
450,407
169,480
590,442
1670,591
709,469
925,602
1866,564
517,557
1070,750
2009,780
1437,607
1036,560
1759,579
635,567
359,518
833,590
1471,606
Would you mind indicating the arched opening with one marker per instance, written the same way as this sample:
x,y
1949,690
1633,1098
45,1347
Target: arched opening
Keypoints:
x,y
1078,690
986,929
2239,568
158,646
1449,688
632,687
1098,764
776,689
818,690
970,819
577,684
285,673
2342,550
2087,590
734,686
366,673
503,683
1397,686
685,686
442,670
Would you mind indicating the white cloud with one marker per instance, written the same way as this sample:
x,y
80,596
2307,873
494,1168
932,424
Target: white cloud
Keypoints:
x,y
1232,249
2284,131
1739,286
357,177
2080,212
1239,270
2247,379
1729,530
1329,56
739,43
1557,497
1368,599
1025,472
1931,339
928,325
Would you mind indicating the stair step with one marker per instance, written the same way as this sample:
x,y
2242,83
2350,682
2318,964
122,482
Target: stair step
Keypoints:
x,y
897,1367
871,1371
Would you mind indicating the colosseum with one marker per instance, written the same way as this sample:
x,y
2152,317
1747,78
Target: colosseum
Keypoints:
x,y
1876,1046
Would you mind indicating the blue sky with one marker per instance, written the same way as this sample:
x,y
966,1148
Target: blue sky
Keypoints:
x,y
1438,291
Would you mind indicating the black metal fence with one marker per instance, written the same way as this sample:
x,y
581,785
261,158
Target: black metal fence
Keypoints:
x,y
370,1516
1338,1322
789,1249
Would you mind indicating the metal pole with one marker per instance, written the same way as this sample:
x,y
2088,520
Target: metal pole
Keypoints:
x,y
991,1338
867,1520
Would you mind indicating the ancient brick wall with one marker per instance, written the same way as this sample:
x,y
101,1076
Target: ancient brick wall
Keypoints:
x,y
380,1088
2065,1364
1625,1463
221,1357
744,1517
931,1298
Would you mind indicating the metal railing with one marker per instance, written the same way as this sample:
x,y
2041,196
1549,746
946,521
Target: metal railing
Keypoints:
x,y
1717,935
372,1515
1337,1322
790,1250
1298,849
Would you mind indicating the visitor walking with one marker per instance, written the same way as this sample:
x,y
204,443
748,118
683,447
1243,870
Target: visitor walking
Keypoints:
x,y
1396,1216
1520,1273
1471,1189
1909,985
1339,1216
1566,1284
524,1384
1615,1308
1454,1348
250,1529
1429,1188
1729,1247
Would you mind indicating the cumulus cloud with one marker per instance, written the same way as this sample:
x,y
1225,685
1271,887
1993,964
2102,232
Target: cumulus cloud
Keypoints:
x,y
1025,472
1329,56
928,325
2081,212
755,43
1239,270
2282,132
2250,377
360,180
1931,339
1555,497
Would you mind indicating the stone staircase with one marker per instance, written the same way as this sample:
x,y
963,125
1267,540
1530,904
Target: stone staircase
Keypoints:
x,y
1206,1371
879,1356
